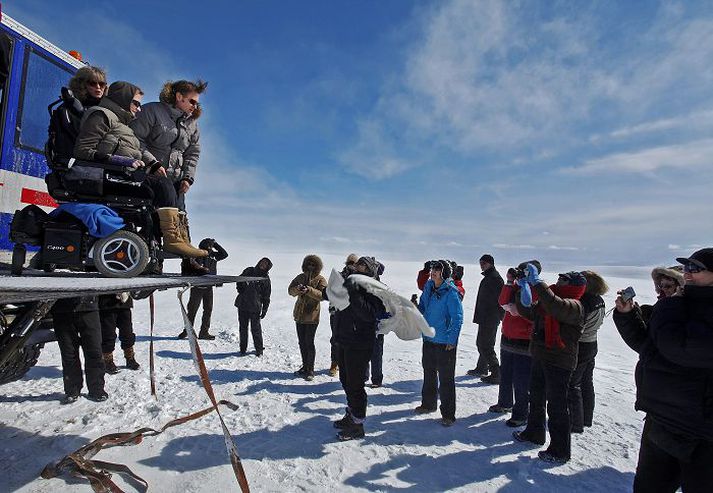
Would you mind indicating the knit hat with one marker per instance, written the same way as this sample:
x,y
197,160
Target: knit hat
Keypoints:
x,y
574,278
702,258
444,266
488,258
351,259
371,265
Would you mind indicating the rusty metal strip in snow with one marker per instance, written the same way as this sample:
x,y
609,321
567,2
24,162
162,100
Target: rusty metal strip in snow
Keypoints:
x,y
80,464
208,387
152,377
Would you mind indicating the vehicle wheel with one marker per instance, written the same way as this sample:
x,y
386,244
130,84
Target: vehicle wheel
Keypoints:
x,y
16,367
121,254
19,253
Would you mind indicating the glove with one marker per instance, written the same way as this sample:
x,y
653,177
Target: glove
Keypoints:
x,y
263,313
122,160
531,275
525,294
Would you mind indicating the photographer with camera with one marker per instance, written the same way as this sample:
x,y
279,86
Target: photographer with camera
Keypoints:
x,y
674,381
558,317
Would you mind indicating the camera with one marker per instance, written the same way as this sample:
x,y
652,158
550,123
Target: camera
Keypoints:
x,y
627,294
520,273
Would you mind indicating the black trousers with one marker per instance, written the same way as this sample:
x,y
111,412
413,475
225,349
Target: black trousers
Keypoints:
x,y
658,471
305,337
253,319
159,189
198,296
439,368
334,350
353,363
75,330
485,342
376,363
111,320
581,387
548,385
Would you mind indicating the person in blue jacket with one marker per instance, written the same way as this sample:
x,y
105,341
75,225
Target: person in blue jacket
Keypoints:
x,y
442,308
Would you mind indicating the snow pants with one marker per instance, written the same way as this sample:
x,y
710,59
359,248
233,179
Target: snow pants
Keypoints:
x,y
334,352
75,330
253,319
548,386
664,471
581,387
353,363
515,379
376,362
485,342
439,368
305,337
198,296
111,320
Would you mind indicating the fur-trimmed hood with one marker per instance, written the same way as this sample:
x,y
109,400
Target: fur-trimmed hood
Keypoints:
x,y
675,273
316,260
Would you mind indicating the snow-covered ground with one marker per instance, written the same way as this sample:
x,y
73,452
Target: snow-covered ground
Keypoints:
x,y
283,427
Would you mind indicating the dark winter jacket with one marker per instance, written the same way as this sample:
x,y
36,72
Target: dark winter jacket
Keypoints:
x,y
254,296
487,309
72,305
356,325
674,375
216,253
306,309
568,312
443,310
167,136
114,302
104,129
594,311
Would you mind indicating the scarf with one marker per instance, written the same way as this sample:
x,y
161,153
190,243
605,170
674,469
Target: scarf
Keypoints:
x,y
552,325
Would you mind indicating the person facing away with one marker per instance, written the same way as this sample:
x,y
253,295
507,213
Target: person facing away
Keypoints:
x,y
204,295
115,313
674,381
349,267
308,287
441,307
168,132
252,302
488,314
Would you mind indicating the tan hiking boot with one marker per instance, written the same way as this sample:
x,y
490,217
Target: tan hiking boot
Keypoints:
x,y
175,238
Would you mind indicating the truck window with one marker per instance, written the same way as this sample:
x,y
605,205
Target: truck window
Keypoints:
x,y
41,85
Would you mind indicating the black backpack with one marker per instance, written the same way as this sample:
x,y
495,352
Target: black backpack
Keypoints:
x,y
65,118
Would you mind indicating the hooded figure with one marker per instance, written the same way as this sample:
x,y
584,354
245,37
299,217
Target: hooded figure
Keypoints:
x,y
252,302
308,287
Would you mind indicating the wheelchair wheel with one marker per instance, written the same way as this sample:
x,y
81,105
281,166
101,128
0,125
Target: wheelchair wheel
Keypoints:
x,y
121,254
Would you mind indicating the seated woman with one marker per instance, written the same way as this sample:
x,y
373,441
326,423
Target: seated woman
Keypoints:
x,y
88,85
105,137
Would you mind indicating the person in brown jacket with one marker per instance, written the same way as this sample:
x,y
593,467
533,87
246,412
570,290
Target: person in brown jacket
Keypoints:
x,y
307,287
558,318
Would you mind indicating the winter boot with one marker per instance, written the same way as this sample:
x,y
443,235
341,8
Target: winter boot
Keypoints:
x,y
352,432
203,334
333,370
493,378
131,363
175,239
109,366
189,267
345,422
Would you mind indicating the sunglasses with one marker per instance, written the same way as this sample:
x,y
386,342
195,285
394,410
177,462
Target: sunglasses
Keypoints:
x,y
96,83
136,103
692,268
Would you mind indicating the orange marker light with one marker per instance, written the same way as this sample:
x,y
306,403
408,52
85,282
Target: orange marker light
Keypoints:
x,y
75,54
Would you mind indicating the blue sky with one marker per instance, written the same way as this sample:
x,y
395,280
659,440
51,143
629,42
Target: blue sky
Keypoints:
x,y
572,131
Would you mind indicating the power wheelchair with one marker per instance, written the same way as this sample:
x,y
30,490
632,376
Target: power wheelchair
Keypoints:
x,y
63,240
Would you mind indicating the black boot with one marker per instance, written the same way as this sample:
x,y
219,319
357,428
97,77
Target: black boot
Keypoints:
x,y
203,334
352,432
493,378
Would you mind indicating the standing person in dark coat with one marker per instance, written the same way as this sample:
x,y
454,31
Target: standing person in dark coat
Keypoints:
x,y
349,267
557,318
252,302
308,287
76,324
581,385
204,295
674,381
355,331
116,313
488,314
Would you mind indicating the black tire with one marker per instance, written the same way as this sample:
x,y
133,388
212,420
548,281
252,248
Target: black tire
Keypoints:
x,y
19,254
121,254
20,364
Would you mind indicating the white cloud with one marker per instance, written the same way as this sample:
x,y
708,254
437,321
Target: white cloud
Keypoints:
x,y
681,156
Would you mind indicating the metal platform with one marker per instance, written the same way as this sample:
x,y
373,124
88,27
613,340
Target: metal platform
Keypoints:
x,y
37,285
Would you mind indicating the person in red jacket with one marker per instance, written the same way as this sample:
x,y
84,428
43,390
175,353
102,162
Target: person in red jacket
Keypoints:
x,y
424,274
515,357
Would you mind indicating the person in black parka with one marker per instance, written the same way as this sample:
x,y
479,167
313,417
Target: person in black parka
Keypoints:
x,y
488,314
674,381
252,302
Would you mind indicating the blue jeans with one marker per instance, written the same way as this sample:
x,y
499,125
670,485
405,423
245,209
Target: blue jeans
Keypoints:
x,y
515,378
